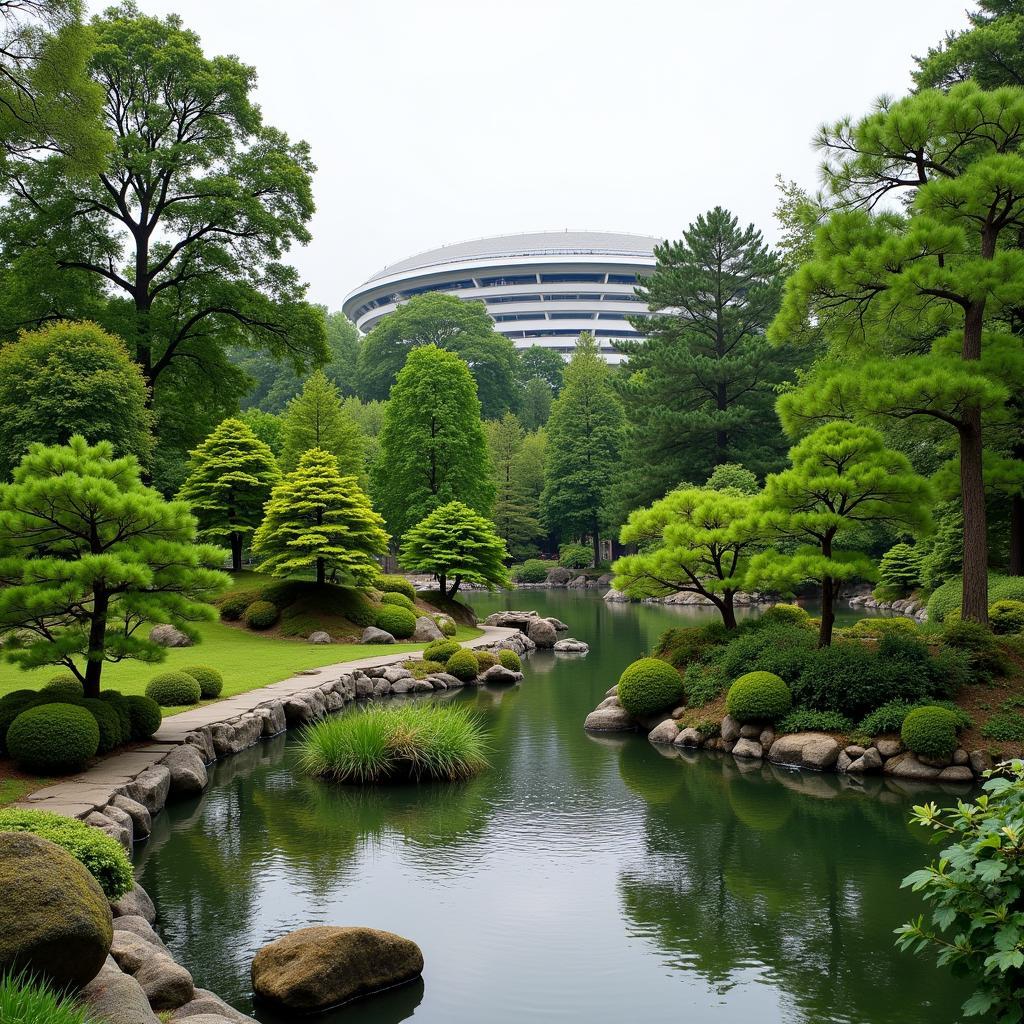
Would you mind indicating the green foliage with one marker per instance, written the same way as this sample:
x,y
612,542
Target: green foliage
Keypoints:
x,y
485,660
510,660
878,626
463,664
987,660
66,379
232,606
385,744
648,686
318,519
703,683
174,689
210,681
102,855
266,427
230,477
88,555
395,585
889,717
1006,726
457,544
947,598
393,597
115,700
441,650
108,722
146,717
973,888
432,445
64,685
575,556
785,615
535,403
681,645
809,720
446,625
423,668
900,568
533,570
25,1000
261,615
758,696
53,739
930,732
734,478
517,499
781,650
1006,617
316,419
399,622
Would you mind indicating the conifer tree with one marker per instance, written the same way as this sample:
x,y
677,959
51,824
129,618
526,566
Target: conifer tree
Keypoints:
x,y
584,447
514,507
318,519
456,543
230,478
89,554
315,419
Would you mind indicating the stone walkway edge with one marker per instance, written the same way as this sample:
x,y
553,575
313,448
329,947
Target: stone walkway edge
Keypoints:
x,y
80,795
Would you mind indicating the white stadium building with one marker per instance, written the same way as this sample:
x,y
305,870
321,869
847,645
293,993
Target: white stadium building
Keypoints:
x,y
542,288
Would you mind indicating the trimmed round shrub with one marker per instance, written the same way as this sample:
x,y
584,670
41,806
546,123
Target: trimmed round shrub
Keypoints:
x,y
486,660
10,710
878,627
53,738
210,681
395,598
146,717
102,855
440,650
510,660
533,570
758,697
648,686
1006,617
17,697
173,689
115,700
785,615
930,732
64,685
463,665
446,624
399,622
233,606
396,585
261,615
107,720
808,720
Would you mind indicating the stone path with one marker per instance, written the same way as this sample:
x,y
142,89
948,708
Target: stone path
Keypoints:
x,y
77,796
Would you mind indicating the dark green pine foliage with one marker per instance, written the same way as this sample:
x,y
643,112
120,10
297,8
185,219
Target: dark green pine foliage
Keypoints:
x,y
230,478
699,389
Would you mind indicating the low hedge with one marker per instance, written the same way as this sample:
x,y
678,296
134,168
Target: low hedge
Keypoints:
x,y
261,615
510,660
758,697
102,855
396,585
395,598
66,684
648,686
463,664
1006,617
930,732
210,681
173,689
947,597
878,627
53,738
978,641
399,622
808,720
146,717
440,650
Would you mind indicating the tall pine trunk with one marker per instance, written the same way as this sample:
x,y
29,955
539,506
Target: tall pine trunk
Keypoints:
x,y
596,537
321,574
1017,535
728,609
974,604
236,552
828,611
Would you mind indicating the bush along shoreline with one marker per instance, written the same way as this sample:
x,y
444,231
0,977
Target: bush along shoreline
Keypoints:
x,y
932,703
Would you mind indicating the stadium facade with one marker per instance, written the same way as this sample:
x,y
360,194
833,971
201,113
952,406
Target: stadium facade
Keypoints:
x,y
542,288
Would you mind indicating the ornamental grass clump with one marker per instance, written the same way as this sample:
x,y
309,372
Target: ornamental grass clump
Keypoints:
x,y
27,1000
409,742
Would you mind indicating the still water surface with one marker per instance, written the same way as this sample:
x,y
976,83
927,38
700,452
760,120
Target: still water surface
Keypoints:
x,y
579,879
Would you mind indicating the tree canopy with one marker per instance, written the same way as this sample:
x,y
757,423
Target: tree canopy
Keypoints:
x,y
315,419
516,504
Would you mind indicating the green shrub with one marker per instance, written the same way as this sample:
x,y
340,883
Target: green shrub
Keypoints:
x,y
878,627
27,1000
648,686
930,732
396,585
115,700
1006,617
703,682
758,697
887,718
233,605
422,669
261,615
108,721
10,710
17,697
146,717
53,738
947,598
102,855
900,568
533,570
510,660
446,624
681,645
210,681
463,664
399,622
785,615
781,650
808,720
173,689
1004,725
396,742
441,650
987,660
486,660
65,685
575,556
397,599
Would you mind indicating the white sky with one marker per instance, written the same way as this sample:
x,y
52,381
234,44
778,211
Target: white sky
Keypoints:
x,y
434,121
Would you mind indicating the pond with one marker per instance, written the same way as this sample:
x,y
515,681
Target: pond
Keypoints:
x,y
580,878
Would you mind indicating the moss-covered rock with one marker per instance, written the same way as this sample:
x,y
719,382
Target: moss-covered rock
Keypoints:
x,y
55,921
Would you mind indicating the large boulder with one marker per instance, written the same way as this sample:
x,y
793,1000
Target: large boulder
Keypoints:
x,y
373,635
167,985
815,750
610,719
426,630
135,903
614,596
116,998
188,772
319,636
142,820
572,646
511,619
542,633
169,636
664,732
206,1007
501,676
558,577
316,968
55,921
150,788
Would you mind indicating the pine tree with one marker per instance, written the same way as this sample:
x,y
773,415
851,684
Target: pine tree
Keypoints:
x,y
900,568
841,478
230,478
584,447
432,446
88,554
515,509
456,543
318,519
315,419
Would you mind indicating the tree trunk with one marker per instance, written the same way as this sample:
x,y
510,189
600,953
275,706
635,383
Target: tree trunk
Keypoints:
x,y
728,610
974,605
442,583
321,574
828,611
1017,535
97,642
455,588
236,552
596,537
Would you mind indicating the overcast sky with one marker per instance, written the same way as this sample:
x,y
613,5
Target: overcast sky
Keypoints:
x,y
434,122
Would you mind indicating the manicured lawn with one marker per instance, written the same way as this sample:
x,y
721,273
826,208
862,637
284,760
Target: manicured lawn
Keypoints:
x,y
246,660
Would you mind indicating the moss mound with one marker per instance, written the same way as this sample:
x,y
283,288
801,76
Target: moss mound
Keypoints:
x,y
53,738
648,686
400,600
758,696
396,585
261,615
173,689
